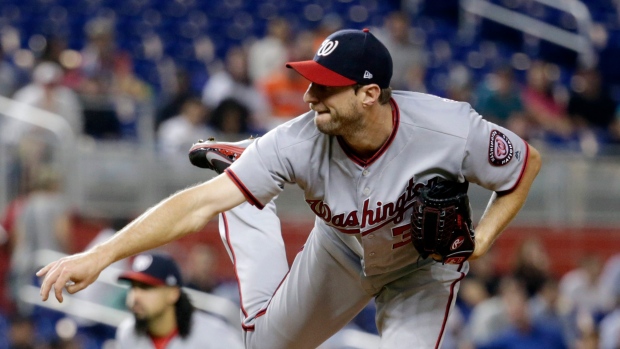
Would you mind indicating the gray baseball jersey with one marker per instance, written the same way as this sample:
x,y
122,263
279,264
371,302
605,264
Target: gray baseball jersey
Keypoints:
x,y
208,332
361,245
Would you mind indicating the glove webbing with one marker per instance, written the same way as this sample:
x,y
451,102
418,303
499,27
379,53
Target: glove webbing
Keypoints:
x,y
440,215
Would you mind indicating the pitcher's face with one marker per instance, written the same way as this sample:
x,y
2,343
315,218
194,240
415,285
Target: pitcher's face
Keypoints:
x,y
337,109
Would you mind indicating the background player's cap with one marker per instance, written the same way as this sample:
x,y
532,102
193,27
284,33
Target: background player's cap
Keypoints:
x,y
154,270
348,57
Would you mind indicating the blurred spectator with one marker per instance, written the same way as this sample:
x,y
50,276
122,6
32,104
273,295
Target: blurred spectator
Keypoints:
x,y
459,84
397,35
471,293
130,93
532,265
234,82
176,135
164,316
111,92
43,223
22,333
55,45
200,269
46,92
480,284
68,343
30,146
523,331
610,329
588,336
101,57
610,275
485,270
268,54
590,105
546,113
8,227
550,307
9,77
489,317
182,92
583,288
284,88
499,100
231,119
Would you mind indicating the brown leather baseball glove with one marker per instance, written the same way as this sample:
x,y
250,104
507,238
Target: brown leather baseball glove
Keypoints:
x,y
441,222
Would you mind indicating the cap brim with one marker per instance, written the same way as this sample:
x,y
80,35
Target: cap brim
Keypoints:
x,y
141,277
318,74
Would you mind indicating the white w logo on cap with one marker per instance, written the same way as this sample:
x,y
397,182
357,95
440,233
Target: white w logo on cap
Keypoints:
x,y
327,47
142,262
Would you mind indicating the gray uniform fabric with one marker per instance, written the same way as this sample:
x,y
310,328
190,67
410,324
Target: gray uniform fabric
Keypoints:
x,y
208,332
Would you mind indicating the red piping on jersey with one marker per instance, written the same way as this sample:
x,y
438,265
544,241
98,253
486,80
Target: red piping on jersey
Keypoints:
x,y
264,311
527,156
251,198
351,154
445,317
234,259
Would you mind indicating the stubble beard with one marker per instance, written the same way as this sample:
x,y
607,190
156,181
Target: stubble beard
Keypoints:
x,y
339,124
141,325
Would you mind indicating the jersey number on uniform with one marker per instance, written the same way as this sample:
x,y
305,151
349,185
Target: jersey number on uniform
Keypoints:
x,y
404,231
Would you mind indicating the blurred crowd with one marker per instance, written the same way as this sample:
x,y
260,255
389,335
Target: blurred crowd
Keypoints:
x,y
100,97
529,306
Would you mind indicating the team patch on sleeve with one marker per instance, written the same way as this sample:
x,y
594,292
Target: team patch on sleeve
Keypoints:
x,y
501,150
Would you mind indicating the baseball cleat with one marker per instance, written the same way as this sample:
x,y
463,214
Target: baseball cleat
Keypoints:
x,y
217,156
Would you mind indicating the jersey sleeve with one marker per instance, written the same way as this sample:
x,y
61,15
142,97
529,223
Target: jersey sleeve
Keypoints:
x,y
261,172
495,157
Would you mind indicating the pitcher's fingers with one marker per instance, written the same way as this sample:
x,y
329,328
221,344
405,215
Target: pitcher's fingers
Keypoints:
x,y
60,283
45,269
48,281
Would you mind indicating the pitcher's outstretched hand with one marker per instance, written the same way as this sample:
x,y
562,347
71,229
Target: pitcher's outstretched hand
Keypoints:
x,y
73,273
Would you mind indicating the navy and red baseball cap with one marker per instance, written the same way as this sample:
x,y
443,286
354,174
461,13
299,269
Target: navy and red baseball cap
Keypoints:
x,y
348,57
154,270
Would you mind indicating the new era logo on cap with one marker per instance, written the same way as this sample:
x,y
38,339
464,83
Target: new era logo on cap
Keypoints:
x,y
347,57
